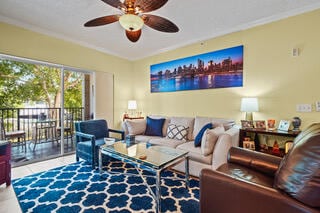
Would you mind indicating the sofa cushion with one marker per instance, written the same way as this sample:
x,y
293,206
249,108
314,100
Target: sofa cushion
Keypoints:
x,y
195,153
136,127
145,138
210,138
166,142
184,121
198,138
154,126
85,146
177,132
199,122
299,171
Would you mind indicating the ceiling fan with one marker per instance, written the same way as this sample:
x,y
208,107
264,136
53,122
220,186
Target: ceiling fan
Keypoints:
x,y
133,17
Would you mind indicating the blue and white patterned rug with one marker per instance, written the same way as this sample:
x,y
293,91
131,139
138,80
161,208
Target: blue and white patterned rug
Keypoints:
x,y
79,188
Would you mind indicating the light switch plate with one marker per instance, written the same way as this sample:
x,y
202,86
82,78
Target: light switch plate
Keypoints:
x,y
318,106
303,108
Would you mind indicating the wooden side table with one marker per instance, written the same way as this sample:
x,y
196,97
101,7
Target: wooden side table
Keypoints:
x,y
126,117
5,165
254,134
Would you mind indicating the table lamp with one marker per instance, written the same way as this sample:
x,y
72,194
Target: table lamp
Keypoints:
x,y
249,105
132,106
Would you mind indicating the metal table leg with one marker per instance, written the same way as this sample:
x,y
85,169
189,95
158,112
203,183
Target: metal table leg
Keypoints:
x,y
158,191
186,159
100,161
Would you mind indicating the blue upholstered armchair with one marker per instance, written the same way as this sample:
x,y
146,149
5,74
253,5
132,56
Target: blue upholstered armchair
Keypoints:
x,y
90,136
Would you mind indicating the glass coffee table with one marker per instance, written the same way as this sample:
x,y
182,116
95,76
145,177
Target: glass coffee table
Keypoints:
x,y
147,157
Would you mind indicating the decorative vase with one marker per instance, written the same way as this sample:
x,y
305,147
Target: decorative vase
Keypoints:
x,y
130,139
296,122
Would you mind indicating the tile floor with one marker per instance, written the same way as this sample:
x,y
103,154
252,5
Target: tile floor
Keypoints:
x,y
8,200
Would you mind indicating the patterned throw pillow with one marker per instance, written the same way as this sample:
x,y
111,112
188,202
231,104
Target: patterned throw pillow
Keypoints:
x,y
178,132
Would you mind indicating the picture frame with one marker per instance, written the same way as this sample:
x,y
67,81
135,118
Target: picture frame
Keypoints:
x,y
203,71
252,146
260,124
245,124
271,124
284,125
247,139
249,145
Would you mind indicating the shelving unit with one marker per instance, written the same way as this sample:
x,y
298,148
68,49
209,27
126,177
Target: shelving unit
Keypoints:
x,y
255,135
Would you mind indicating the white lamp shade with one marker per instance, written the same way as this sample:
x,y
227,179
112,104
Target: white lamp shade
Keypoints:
x,y
132,104
131,22
249,105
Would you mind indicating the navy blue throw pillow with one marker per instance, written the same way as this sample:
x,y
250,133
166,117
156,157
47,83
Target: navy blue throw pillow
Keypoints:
x,y
197,140
154,126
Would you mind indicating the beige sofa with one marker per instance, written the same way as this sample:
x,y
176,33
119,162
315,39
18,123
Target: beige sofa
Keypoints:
x,y
225,136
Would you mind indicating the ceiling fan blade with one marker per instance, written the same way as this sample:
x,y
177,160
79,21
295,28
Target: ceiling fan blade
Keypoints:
x,y
160,23
114,3
133,35
102,21
149,5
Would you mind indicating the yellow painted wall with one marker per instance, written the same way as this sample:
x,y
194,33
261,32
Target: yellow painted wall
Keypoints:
x,y
279,80
271,73
24,43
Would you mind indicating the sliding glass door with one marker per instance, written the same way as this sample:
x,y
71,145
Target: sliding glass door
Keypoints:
x,y
42,100
73,110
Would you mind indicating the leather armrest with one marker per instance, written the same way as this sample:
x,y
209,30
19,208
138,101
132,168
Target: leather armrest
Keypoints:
x,y
268,164
222,193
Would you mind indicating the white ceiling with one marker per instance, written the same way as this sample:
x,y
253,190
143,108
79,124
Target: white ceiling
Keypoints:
x,y
198,20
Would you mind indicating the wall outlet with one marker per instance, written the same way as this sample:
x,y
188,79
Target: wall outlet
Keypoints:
x,y
318,106
304,108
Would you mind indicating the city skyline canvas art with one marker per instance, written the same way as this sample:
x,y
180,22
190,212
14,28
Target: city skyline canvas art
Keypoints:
x,y
217,69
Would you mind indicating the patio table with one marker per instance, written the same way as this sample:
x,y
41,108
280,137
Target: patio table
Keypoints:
x,y
44,129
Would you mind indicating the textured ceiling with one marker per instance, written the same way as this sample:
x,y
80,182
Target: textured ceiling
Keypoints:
x,y
197,20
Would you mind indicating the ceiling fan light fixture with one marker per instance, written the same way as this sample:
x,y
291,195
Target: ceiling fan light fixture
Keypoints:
x,y
131,22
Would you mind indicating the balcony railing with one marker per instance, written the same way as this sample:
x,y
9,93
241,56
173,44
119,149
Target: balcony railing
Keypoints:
x,y
25,118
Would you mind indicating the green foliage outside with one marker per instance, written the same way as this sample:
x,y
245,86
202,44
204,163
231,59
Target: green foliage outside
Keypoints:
x,y
31,83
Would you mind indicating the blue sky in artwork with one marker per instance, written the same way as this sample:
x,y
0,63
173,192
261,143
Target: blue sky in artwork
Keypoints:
x,y
235,53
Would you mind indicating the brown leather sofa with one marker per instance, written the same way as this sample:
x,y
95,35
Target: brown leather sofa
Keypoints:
x,y
256,182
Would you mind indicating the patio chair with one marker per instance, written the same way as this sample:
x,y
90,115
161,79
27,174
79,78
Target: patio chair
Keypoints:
x,y
89,137
4,135
68,130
